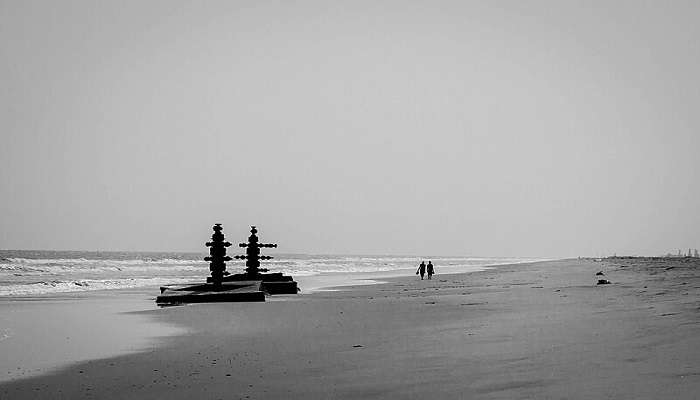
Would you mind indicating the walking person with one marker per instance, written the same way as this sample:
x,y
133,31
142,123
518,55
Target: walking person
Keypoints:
x,y
431,270
421,270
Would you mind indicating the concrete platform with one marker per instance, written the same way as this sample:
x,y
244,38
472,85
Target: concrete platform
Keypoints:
x,y
208,293
285,287
272,283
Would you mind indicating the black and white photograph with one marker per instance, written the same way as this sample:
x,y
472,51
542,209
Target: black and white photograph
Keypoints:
x,y
322,199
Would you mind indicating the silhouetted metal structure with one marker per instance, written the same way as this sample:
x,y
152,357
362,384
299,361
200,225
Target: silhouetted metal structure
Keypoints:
x,y
253,256
272,283
217,288
217,255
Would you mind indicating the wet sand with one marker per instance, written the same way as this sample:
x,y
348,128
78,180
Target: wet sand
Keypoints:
x,y
44,333
542,330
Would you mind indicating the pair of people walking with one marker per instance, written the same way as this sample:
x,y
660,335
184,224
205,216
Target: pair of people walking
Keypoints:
x,y
422,269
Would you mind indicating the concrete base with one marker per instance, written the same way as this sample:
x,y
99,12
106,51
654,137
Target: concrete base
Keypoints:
x,y
289,287
273,283
208,293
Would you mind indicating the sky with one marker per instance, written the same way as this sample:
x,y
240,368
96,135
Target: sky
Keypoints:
x,y
483,128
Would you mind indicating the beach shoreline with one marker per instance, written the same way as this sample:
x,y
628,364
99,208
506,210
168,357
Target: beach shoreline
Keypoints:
x,y
540,330
43,333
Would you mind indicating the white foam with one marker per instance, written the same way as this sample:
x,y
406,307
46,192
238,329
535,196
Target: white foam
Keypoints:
x,y
51,287
21,276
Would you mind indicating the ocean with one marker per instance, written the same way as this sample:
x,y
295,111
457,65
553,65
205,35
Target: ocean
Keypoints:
x,y
30,272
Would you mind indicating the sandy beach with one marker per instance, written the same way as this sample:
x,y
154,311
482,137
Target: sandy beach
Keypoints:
x,y
215,149
543,330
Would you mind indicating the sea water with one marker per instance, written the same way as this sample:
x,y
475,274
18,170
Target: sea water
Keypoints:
x,y
35,273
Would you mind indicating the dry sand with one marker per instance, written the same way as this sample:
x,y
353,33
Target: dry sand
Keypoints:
x,y
535,331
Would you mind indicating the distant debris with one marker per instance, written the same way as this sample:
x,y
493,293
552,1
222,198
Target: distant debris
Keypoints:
x,y
602,281
616,257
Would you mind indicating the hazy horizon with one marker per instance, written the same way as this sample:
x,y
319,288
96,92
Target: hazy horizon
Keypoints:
x,y
524,129
234,250
276,254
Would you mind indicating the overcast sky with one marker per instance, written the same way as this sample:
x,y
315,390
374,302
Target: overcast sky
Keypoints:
x,y
520,128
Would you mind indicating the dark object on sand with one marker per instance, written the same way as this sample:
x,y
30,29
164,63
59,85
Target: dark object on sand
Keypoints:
x,y
603,282
273,283
215,290
211,293
600,273
251,286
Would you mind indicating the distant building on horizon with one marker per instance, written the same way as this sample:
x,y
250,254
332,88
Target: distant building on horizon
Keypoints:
x,y
691,253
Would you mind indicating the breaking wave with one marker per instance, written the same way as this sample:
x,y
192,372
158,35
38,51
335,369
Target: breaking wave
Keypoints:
x,y
51,287
25,273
